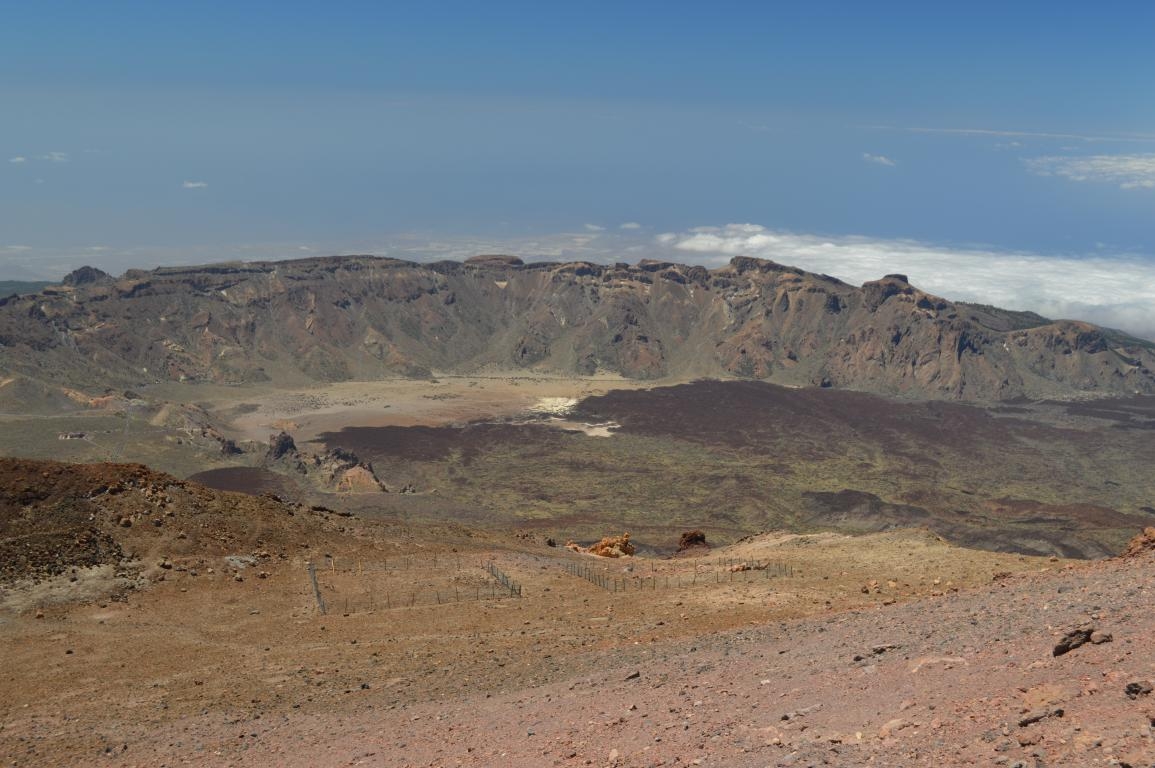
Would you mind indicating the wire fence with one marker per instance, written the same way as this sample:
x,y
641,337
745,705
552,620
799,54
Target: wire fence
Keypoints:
x,y
513,587
350,585
717,572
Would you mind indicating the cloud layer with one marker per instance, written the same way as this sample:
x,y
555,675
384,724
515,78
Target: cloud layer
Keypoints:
x,y
1128,171
1115,291
987,132
1118,292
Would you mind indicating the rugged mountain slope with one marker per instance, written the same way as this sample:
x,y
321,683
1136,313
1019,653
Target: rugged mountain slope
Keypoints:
x,y
360,317
56,518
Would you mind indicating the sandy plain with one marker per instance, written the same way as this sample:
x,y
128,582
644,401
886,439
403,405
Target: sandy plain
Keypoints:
x,y
309,412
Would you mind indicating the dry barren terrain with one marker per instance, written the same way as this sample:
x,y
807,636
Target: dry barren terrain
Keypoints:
x,y
147,620
890,649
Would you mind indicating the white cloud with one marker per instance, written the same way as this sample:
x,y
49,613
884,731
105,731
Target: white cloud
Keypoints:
x,y
630,225
594,228
55,157
1089,137
1113,291
18,159
1128,171
877,159
194,184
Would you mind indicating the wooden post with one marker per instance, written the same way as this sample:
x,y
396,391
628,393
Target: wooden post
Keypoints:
x,y
317,589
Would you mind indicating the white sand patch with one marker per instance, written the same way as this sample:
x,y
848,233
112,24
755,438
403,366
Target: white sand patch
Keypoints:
x,y
554,406
605,429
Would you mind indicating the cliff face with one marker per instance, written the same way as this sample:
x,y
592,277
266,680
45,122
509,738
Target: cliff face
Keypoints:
x,y
359,317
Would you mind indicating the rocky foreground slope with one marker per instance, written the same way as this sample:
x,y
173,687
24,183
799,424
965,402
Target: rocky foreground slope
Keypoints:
x,y
359,317
1043,670
61,519
943,657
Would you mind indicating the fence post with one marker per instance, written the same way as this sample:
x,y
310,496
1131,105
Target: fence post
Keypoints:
x,y
316,589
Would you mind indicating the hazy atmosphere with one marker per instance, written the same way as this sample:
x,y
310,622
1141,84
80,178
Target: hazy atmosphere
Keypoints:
x,y
1001,154
515,384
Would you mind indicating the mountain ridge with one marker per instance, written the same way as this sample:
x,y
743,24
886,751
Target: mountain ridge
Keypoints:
x,y
337,318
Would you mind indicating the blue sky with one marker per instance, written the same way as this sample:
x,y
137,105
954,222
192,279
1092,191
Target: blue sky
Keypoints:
x,y
135,134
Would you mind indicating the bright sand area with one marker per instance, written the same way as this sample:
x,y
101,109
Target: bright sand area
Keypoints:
x,y
308,412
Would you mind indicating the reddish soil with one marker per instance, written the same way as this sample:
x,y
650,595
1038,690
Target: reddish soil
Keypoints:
x,y
889,650
962,680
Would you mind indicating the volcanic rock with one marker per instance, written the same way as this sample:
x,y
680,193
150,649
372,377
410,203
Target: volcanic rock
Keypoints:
x,y
695,540
86,276
1073,639
1141,544
360,317
610,546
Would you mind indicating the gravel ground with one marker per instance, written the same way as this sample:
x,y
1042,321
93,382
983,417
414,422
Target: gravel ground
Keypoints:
x,y
967,678
962,679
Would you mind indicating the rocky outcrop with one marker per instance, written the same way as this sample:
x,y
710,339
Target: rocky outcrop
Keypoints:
x,y
337,469
86,276
283,454
343,471
691,540
1142,544
610,546
360,317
